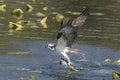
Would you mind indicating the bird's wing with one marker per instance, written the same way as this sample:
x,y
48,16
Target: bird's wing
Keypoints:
x,y
80,20
65,22
68,29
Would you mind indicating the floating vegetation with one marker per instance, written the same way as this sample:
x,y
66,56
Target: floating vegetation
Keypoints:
x,y
81,69
26,22
45,8
2,7
23,22
22,69
59,17
117,61
115,75
14,26
18,53
22,78
35,71
73,13
39,14
41,2
33,1
17,13
28,70
31,24
31,77
97,14
43,22
29,8
108,60
78,13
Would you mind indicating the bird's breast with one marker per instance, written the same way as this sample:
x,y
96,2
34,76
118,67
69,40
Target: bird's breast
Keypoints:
x,y
61,44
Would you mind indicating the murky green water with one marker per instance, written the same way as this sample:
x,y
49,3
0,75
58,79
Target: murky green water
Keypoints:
x,y
24,52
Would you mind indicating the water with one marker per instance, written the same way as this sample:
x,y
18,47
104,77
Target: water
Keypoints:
x,y
25,52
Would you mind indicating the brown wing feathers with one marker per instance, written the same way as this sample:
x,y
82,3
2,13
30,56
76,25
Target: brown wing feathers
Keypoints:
x,y
79,21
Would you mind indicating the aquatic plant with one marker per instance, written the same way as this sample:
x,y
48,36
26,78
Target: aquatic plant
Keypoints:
x,y
14,26
33,1
59,17
39,14
115,75
17,13
45,8
31,77
29,8
2,7
43,22
107,60
117,61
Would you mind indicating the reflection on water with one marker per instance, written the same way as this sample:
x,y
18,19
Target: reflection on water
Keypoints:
x,y
35,58
101,27
99,38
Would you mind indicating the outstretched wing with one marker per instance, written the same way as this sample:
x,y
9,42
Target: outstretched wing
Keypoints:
x,y
66,22
68,29
80,20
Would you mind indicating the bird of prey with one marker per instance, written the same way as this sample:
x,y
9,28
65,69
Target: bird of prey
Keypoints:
x,y
67,34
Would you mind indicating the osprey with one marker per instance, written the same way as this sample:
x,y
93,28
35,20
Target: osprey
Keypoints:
x,y
67,34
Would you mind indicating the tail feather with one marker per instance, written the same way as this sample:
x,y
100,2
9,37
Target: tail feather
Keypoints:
x,y
76,51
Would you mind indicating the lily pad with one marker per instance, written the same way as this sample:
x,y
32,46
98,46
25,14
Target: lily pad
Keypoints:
x,y
39,14
31,77
45,8
29,7
22,69
2,7
33,1
81,69
35,71
117,61
41,2
115,75
43,22
107,60
17,13
14,26
59,17
97,14
75,13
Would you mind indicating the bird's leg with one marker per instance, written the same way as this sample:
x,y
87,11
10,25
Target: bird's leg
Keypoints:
x,y
67,60
66,56
63,59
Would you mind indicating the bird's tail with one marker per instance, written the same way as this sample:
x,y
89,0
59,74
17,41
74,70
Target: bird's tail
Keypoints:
x,y
76,51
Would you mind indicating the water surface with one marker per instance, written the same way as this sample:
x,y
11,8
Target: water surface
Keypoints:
x,y
24,52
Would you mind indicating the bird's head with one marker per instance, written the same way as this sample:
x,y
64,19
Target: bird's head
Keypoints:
x,y
51,47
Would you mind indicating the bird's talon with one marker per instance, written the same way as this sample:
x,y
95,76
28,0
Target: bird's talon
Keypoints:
x,y
72,67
